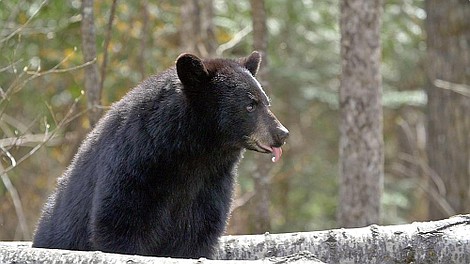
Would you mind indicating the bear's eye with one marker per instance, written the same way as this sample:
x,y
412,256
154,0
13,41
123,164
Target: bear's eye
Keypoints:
x,y
251,107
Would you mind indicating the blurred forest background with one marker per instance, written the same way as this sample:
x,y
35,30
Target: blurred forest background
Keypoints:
x,y
43,115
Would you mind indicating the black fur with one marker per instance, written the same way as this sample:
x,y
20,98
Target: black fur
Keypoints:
x,y
156,175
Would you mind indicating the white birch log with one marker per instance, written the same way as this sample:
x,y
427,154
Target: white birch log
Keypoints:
x,y
21,252
444,241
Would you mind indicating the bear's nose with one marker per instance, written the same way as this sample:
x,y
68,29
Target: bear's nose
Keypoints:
x,y
282,134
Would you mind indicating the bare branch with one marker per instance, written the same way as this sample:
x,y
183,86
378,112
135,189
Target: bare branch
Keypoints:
x,y
241,201
10,65
237,38
431,191
13,14
12,34
47,136
437,189
17,85
436,179
16,201
28,141
461,89
11,121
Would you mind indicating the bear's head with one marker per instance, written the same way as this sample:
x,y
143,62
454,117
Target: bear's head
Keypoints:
x,y
229,89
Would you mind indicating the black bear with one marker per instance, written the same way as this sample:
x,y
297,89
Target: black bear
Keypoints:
x,y
156,174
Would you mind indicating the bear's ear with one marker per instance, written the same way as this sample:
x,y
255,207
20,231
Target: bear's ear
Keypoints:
x,y
252,62
191,71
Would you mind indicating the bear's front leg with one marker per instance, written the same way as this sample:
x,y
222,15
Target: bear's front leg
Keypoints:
x,y
118,221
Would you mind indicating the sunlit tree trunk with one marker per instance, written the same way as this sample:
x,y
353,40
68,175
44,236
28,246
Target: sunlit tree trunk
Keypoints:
x,y
197,31
448,109
361,143
261,220
92,75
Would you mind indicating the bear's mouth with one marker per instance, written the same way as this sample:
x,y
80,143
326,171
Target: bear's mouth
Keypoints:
x,y
276,151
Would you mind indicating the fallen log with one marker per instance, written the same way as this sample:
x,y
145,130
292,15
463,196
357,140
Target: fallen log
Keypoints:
x,y
443,241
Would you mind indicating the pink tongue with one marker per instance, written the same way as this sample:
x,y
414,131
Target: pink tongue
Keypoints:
x,y
277,154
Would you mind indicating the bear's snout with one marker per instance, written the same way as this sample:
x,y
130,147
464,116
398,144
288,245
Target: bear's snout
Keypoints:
x,y
280,136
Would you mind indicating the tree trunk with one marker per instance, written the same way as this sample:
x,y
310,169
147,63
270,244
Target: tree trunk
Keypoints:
x,y
107,40
92,76
197,31
444,241
144,38
259,212
361,143
260,33
448,109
